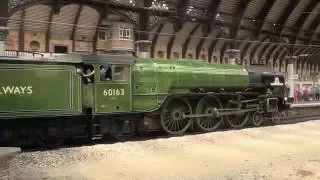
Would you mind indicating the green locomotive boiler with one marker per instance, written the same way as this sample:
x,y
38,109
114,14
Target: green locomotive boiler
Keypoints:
x,y
89,95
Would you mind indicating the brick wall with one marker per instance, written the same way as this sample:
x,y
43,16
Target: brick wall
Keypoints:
x,y
34,36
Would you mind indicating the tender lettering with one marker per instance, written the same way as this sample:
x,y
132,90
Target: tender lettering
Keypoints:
x,y
15,90
113,92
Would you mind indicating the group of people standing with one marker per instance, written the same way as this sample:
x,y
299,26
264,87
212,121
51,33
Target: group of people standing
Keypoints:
x,y
307,95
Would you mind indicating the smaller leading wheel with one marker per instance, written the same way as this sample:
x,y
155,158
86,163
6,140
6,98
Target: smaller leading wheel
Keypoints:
x,y
172,120
237,121
257,119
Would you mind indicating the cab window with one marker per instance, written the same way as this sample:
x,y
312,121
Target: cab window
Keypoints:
x,y
119,73
105,73
112,73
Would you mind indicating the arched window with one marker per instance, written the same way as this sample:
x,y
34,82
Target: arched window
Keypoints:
x,y
34,45
226,59
215,60
203,57
176,55
238,61
160,54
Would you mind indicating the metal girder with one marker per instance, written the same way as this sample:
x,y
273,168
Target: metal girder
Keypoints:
x,y
276,54
4,9
206,27
265,47
247,46
303,61
222,51
48,33
313,53
237,18
268,53
144,21
212,45
187,42
313,27
286,14
315,56
155,39
281,55
236,21
75,24
302,18
21,30
103,12
259,21
178,24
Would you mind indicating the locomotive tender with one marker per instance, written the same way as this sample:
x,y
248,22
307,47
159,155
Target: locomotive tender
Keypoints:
x,y
90,95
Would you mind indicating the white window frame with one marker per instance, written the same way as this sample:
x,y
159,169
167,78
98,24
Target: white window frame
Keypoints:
x,y
107,34
124,33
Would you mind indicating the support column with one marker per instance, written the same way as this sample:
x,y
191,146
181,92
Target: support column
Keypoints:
x,y
143,48
4,9
3,35
290,61
233,55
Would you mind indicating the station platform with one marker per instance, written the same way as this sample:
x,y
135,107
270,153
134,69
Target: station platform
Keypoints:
x,y
6,153
306,104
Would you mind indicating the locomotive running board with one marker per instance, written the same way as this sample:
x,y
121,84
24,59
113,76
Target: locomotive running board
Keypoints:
x,y
218,114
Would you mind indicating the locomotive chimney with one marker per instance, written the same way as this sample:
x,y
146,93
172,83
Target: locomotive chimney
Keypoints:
x,y
143,48
233,55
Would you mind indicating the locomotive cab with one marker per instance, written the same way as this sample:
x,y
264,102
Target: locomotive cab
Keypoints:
x,y
110,89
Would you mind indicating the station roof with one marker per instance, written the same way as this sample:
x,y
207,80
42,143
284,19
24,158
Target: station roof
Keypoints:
x,y
286,27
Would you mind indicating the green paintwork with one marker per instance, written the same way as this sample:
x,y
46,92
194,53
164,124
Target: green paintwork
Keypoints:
x,y
56,90
156,78
113,96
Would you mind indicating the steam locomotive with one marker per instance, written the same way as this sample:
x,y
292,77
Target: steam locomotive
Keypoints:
x,y
46,101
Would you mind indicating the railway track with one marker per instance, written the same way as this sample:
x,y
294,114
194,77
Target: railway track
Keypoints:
x,y
295,115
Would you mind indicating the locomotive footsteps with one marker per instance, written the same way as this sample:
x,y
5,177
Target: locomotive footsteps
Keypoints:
x,y
16,90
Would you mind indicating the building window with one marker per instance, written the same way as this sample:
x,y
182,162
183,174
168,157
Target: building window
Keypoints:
x,y
190,56
105,34
226,59
238,61
203,57
215,59
160,54
34,45
124,33
175,55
